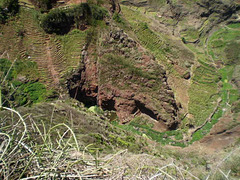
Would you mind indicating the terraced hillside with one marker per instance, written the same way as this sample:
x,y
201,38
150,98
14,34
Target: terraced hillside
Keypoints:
x,y
120,89
195,63
48,51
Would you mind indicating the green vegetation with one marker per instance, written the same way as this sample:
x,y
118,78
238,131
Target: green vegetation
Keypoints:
x,y
8,8
117,17
65,140
58,21
229,95
44,5
206,129
224,45
98,12
232,53
148,38
144,128
71,46
204,91
157,3
129,66
61,20
190,35
159,44
155,43
12,6
19,85
235,25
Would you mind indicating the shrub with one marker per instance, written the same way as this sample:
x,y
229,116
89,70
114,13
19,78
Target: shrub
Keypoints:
x,y
60,21
8,8
5,64
98,13
3,15
117,17
56,21
44,5
11,5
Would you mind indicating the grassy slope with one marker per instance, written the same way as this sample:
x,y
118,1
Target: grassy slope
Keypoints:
x,y
63,138
205,87
227,91
23,39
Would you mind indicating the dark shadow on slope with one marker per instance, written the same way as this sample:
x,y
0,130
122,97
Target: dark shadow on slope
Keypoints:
x,y
108,105
145,110
81,95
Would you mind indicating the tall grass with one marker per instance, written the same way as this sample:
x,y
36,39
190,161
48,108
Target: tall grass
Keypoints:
x,y
31,151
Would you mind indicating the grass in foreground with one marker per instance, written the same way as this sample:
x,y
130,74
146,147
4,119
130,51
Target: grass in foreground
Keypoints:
x,y
42,151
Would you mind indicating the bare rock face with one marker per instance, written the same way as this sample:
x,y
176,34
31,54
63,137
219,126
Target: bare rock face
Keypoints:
x,y
126,79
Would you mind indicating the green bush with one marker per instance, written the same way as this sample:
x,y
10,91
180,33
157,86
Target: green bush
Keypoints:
x,y
3,15
60,21
56,21
44,5
98,12
11,5
32,92
8,8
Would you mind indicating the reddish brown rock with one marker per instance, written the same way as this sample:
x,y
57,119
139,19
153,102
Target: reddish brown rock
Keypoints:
x,y
130,85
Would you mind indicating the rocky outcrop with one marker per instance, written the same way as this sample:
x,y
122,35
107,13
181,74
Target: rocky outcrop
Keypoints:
x,y
125,79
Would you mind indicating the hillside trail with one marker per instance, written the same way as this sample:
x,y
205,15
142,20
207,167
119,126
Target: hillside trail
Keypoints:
x,y
51,68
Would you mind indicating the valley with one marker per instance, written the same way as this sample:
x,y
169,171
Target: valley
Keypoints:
x,y
120,89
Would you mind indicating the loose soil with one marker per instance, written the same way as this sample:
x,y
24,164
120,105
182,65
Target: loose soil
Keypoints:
x,y
51,69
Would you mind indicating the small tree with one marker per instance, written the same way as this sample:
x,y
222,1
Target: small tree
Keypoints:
x,y
44,5
12,6
8,8
3,15
56,21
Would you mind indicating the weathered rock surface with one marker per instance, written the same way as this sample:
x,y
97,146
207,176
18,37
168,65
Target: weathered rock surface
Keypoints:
x,y
126,79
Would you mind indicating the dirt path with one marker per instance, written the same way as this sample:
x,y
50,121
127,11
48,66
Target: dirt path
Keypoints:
x,y
51,69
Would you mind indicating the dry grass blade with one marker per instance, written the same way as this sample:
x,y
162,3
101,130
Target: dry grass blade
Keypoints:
x,y
3,152
4,79
217,168
24,125
49,156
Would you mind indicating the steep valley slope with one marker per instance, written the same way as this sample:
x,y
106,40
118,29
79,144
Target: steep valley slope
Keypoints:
x,y
158,78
